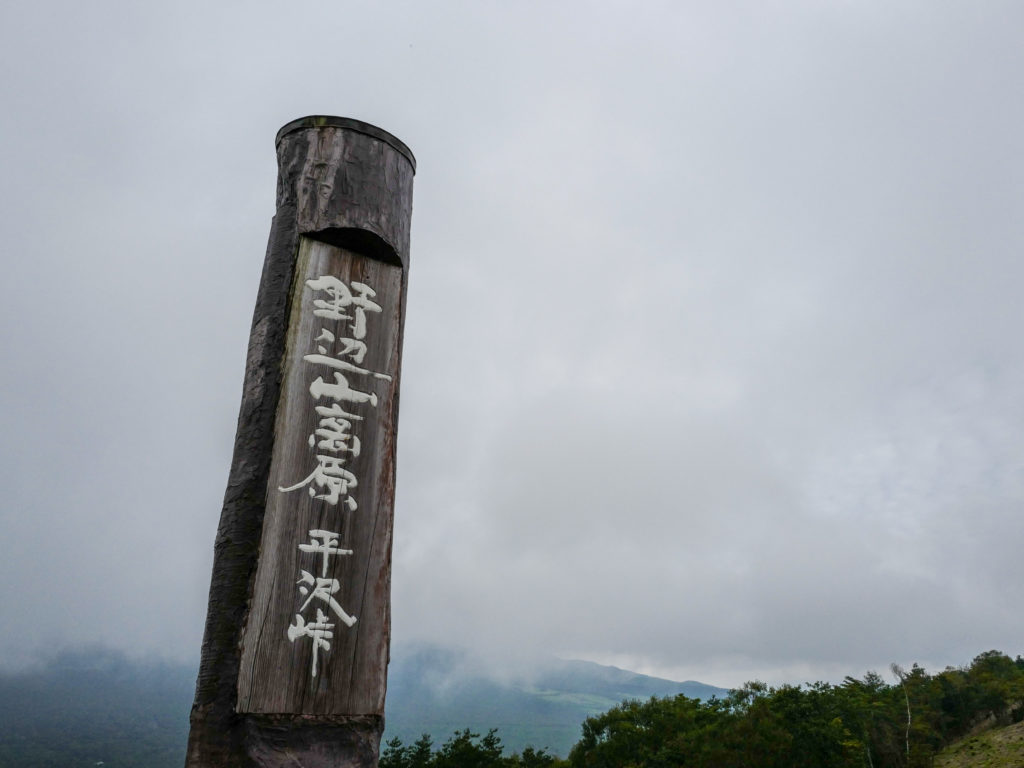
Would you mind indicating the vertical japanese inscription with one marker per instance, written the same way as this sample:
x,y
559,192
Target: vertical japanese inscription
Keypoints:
x,y
316,636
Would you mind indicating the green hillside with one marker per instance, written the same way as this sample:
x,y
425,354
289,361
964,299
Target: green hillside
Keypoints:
x,y
861,723
997,748
438,691
91,707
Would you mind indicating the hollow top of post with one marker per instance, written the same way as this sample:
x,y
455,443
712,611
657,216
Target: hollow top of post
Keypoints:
x,y
329,121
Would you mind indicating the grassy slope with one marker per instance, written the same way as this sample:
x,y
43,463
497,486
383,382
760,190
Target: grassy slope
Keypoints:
x,y
998,748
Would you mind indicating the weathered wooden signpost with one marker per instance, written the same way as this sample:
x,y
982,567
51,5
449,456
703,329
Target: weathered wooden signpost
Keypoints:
x,y
295,653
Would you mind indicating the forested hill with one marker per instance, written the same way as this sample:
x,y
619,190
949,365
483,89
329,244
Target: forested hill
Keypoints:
x,y
438,691
861,723
965,717
87,707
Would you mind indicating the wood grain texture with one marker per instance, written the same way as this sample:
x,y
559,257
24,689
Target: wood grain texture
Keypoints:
x,y
276,672
338,183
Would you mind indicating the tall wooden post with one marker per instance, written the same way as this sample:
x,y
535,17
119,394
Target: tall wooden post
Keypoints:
x,y
295,654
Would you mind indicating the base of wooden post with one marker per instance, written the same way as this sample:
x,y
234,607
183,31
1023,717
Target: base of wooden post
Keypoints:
x,y
289,741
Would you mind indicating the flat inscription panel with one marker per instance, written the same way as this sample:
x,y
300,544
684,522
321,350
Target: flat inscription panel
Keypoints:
x,y
316,637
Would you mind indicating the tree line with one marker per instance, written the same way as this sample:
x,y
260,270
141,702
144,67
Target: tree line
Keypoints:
x,y
859,723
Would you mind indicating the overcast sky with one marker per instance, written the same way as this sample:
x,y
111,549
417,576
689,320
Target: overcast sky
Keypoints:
x,y
713,358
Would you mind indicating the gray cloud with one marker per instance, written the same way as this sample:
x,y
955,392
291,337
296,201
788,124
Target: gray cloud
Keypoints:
x,y
712,358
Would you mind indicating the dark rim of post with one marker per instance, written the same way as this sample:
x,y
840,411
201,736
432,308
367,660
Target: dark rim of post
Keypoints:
x,y
329,121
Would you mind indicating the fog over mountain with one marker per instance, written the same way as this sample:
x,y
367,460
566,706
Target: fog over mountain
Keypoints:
x,y
81,707
713,363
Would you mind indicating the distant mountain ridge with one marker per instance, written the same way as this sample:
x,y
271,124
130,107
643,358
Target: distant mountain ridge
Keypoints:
x,y
439,690
84,708
87,707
